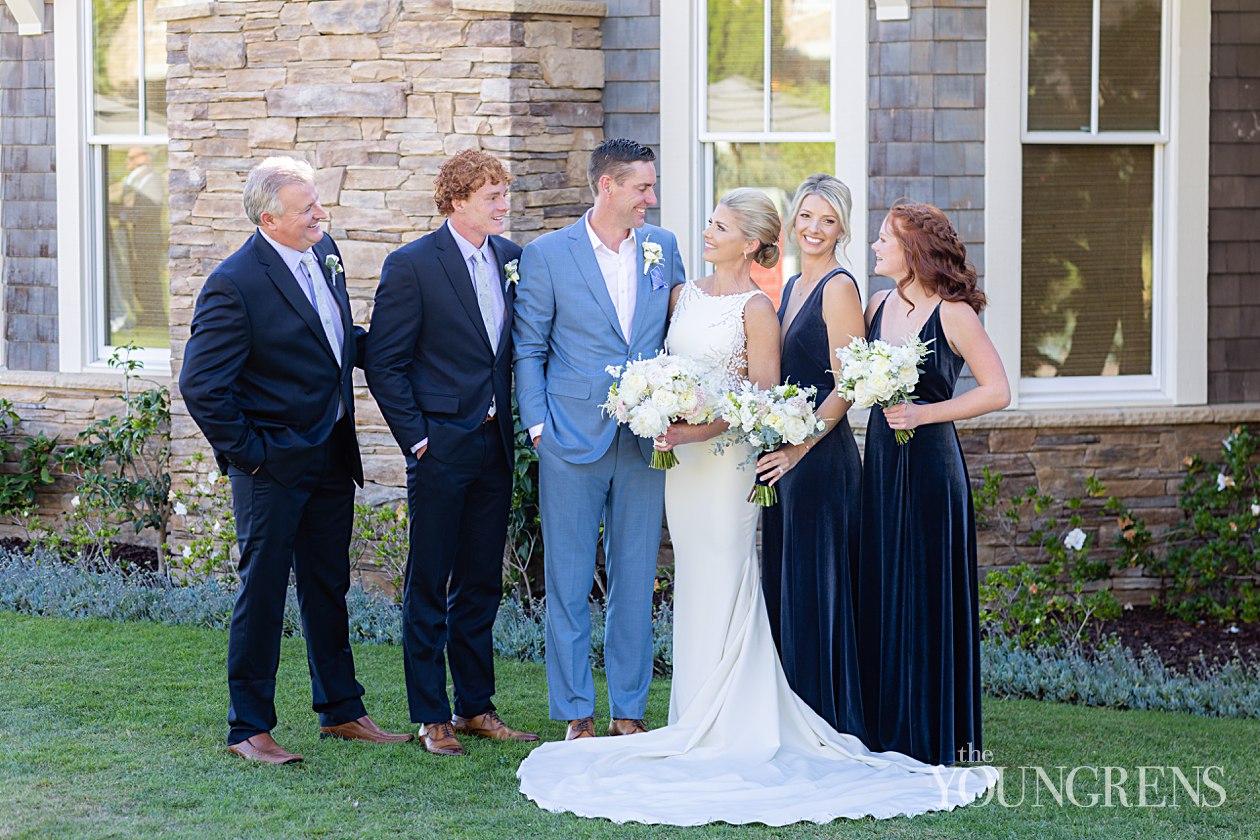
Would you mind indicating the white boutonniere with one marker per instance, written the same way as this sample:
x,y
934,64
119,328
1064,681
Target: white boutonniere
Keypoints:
x,y
510,271
333,264
652,255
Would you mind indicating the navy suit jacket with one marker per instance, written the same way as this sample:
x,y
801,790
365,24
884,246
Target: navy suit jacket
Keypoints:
x,y
258,375
429,362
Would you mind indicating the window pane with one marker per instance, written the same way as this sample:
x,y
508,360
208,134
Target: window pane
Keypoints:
x,y
736,76
800,65
1087,260
116,66
1060,40
154,70
777,169
136,252
1128,66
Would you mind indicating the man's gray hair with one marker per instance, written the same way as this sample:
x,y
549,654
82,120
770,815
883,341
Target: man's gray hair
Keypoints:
x,y
264,182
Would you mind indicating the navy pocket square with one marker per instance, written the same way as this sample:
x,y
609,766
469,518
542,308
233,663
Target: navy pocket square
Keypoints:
x,y
657,278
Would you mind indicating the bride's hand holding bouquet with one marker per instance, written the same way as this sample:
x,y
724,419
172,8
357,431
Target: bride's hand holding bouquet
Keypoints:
x,y
650,395
878,373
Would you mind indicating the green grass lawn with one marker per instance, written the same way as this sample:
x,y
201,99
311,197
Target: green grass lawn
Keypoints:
x,y
117,730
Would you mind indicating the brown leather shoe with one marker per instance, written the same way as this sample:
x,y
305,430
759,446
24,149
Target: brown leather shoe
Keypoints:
x,y
580,728
264,749
490,725
626,726
439,739
364,729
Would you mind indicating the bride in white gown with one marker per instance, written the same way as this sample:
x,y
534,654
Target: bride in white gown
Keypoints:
x,y
740,747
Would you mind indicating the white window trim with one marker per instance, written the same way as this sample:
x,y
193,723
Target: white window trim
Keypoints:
x,y
1179,317
80,349
685,191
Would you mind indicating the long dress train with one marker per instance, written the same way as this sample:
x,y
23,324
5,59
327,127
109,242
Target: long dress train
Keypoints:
x,y
740,747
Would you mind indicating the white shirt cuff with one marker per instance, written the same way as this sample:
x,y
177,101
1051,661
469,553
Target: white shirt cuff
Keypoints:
x,y
421,445
536,431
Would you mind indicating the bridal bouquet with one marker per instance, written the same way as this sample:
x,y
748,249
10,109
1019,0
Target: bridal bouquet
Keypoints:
x,y
882,374
769,419
649,394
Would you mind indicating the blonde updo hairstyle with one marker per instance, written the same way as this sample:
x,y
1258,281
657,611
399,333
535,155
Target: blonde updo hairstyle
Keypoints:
x,y
758,219
833,191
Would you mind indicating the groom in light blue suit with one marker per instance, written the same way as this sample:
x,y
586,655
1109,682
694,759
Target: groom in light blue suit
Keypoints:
x,y
594,295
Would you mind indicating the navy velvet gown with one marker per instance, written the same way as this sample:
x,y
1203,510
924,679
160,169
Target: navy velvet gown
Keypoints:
x,y
809,539
918,611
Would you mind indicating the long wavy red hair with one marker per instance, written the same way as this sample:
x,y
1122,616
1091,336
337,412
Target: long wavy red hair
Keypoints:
x,y
935,256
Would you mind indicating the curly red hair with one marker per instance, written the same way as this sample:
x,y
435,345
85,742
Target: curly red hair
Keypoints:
x,y
935,256
463,175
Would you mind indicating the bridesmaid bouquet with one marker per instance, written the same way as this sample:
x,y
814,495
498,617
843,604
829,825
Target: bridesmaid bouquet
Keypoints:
x,y
769,419
649,394
882,374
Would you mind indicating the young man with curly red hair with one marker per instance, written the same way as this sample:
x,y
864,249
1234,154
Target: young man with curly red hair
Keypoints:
x,y
439,356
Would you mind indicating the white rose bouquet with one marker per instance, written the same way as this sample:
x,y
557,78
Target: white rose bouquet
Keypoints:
x,y
769,419
649,394
882,374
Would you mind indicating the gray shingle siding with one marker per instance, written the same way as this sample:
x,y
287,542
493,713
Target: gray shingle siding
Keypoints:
x,y
632,67
28,196
1234,204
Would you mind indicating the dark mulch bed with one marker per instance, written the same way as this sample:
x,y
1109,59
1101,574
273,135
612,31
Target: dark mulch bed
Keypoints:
x,y
1182,645
1185,645
128,557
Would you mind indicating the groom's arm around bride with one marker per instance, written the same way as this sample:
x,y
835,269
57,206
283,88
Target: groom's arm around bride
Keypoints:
x,y
591,295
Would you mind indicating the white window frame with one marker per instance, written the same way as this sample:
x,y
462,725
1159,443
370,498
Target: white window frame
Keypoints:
x,y
1180,204
686,160
80,224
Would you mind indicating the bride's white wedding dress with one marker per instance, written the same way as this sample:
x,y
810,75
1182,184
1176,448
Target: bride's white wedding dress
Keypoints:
x,y
740,747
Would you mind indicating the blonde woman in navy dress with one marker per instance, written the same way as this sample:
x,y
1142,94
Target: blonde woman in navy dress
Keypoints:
x,y
809,540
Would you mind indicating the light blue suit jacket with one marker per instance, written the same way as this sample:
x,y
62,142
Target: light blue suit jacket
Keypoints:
x,y
566,333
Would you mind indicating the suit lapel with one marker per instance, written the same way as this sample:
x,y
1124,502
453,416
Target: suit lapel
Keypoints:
x,y
509,296
457,273
287,285
643,285
588,268
342,295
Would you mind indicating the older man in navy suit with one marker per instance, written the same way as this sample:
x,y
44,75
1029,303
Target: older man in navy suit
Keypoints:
x,y
267,377
439,362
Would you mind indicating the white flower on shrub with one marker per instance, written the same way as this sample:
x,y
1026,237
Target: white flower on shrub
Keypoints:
x,y
217,526
1223,481
74,502
212,477
1075,539
181,509
187,552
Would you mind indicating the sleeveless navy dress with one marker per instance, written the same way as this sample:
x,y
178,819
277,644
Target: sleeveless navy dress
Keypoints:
x,y
809,540
918,611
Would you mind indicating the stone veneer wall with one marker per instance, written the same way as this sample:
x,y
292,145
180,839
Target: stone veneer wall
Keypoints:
x,y
376,94
28,197
1137,453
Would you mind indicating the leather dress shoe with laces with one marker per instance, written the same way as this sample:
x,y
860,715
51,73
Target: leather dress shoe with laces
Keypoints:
x,y
626,726
490,725
439,739
580,728
264,749
364,729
